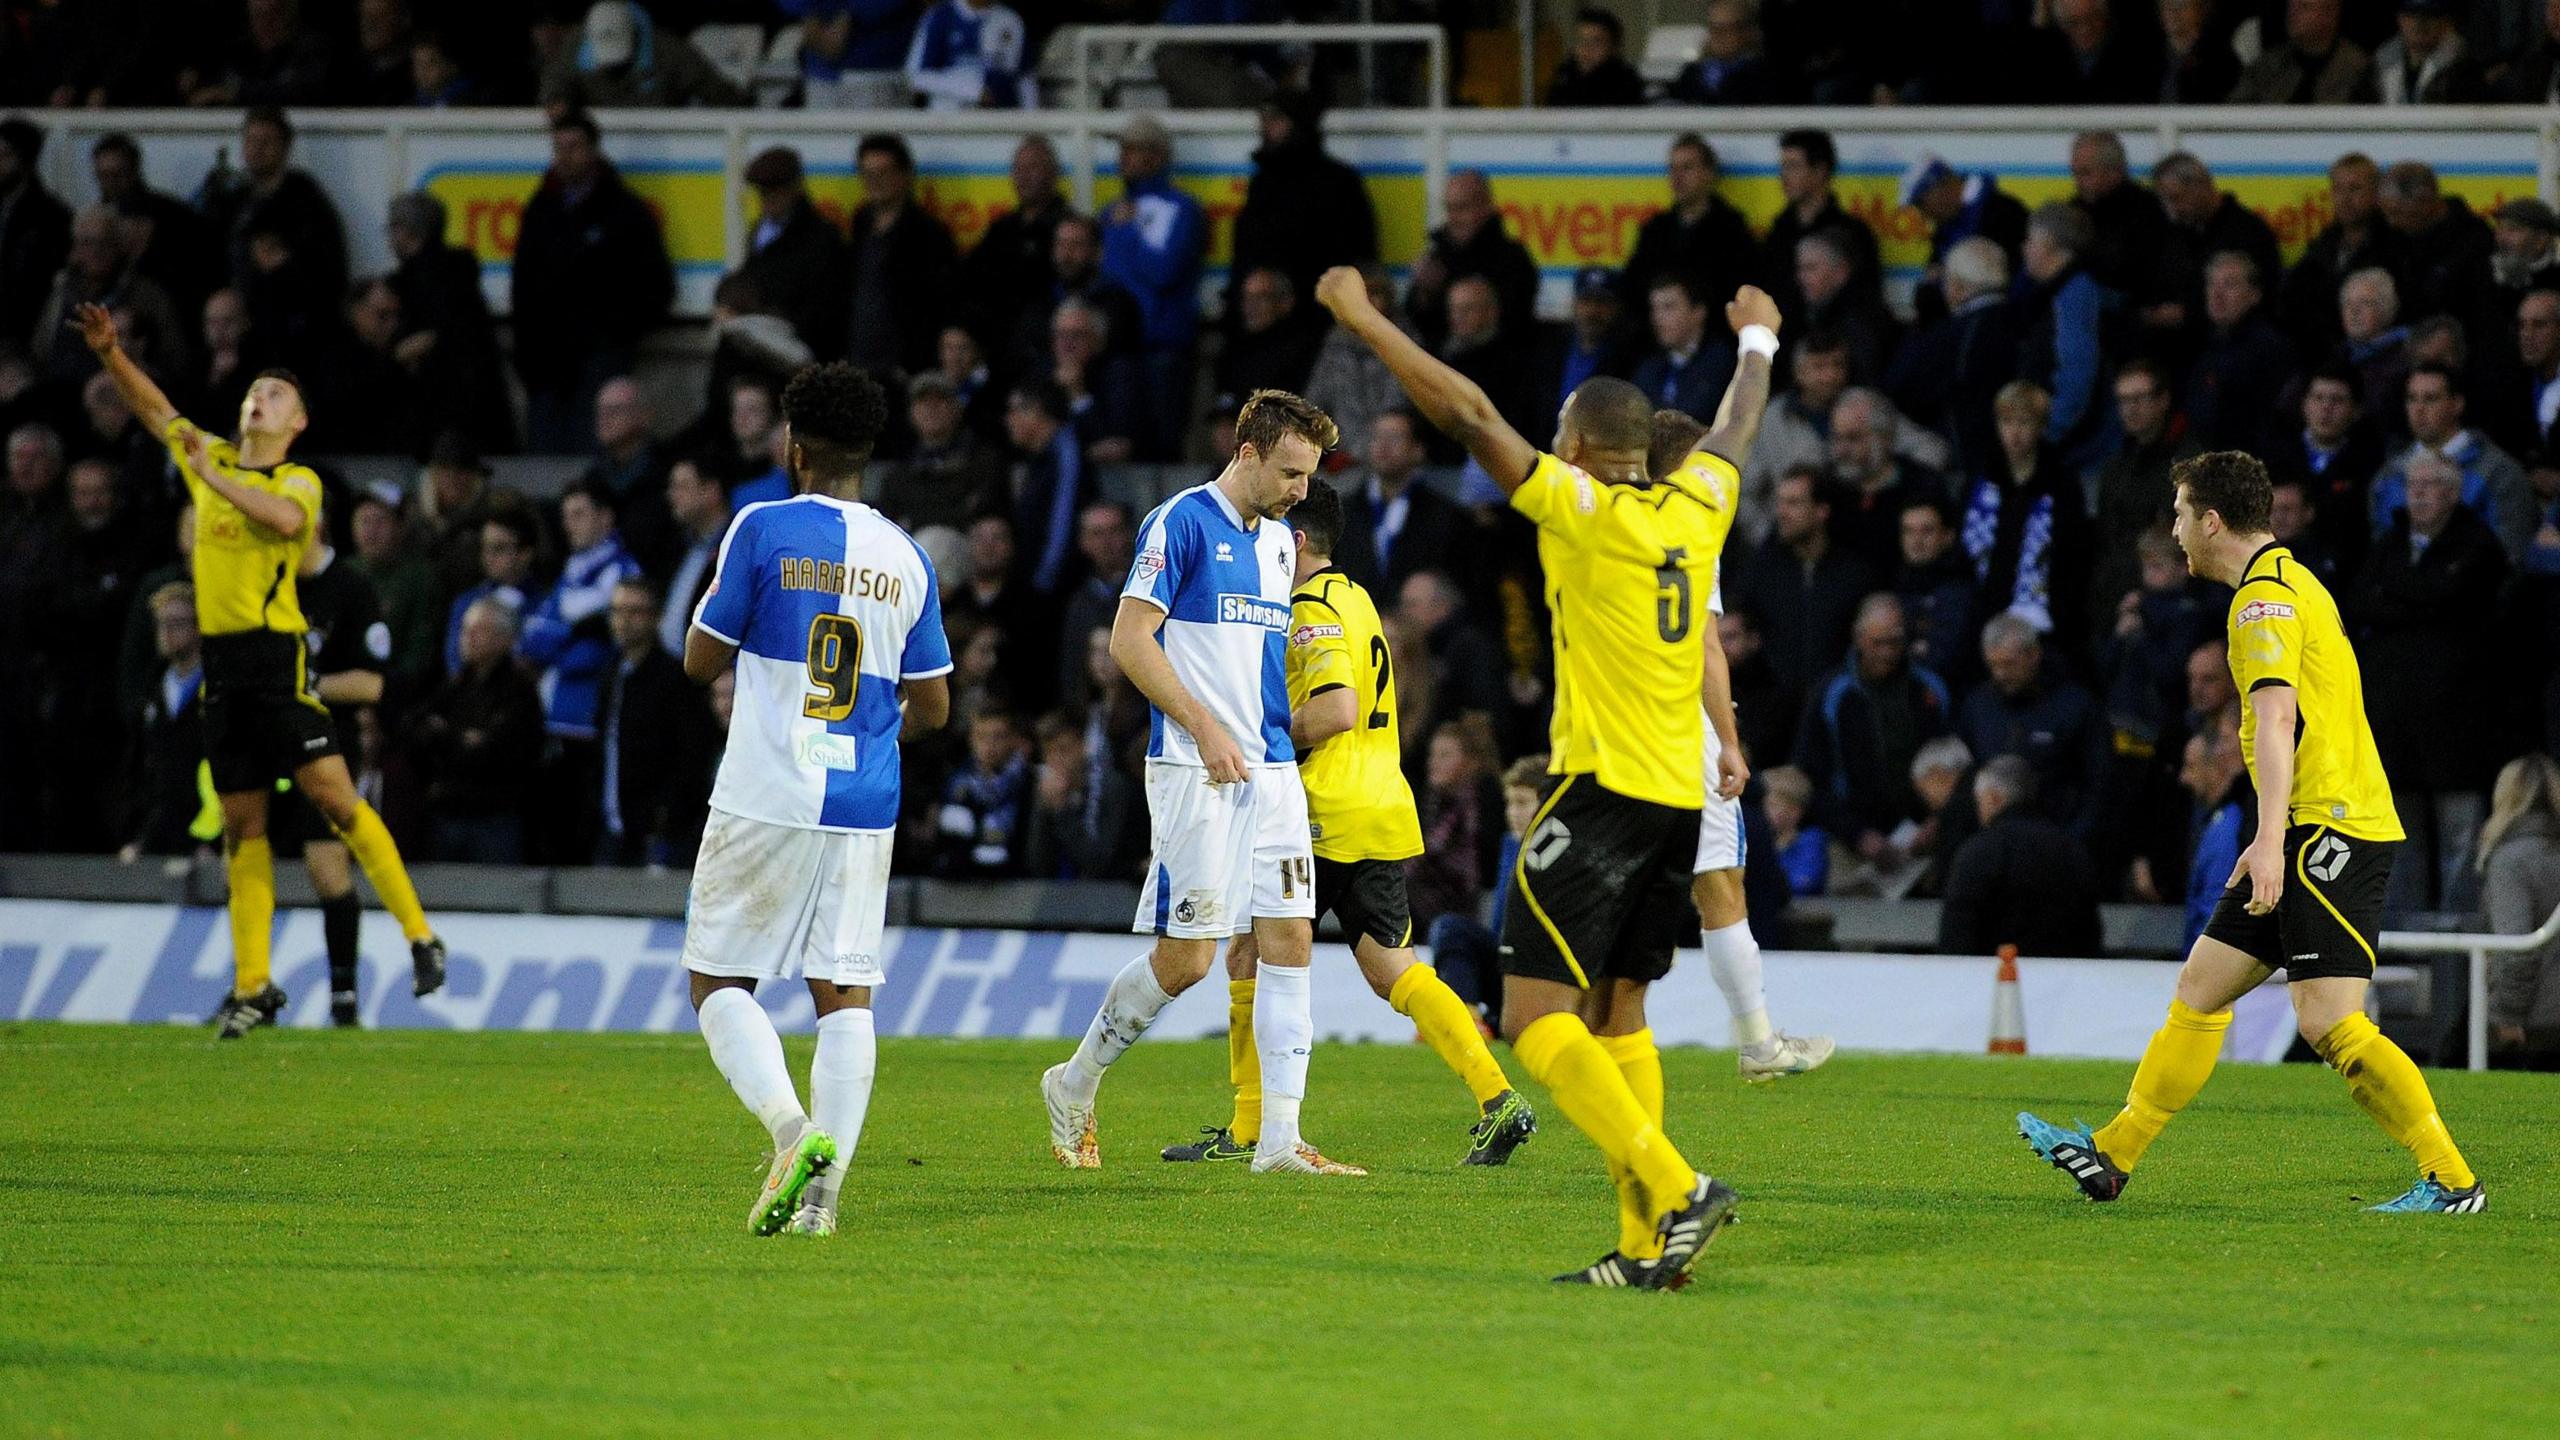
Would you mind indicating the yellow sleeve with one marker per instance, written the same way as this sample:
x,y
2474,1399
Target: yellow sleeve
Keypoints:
x,y
1557,496
1319,653
220,451
293,482
2266,638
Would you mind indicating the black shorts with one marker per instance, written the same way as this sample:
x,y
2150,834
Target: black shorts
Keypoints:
x,y
1602,888
2325,923
262,721
1368,897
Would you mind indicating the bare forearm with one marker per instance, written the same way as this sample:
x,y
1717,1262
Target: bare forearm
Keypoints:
x,y
272,511
1449,400
1718,690
142,395
1321,718
351,687
2275,760
1738,418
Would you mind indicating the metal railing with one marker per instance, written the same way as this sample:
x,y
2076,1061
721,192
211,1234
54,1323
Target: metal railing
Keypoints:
x,y
2479,948
1087,40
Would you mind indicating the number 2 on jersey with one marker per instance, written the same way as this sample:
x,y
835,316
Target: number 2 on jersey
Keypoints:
x,y
835,667
1379,716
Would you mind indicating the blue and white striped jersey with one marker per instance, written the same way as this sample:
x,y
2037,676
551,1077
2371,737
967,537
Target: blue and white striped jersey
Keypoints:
x,y
1224,590
831,605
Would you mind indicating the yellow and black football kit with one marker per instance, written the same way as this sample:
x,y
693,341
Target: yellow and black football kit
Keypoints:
x,y
2341,829
1359,807
1601,886
262,718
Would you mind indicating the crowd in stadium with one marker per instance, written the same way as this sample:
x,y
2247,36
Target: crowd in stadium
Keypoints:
x,y
1953,545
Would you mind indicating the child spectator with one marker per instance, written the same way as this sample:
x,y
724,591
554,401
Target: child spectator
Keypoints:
x,y
1804,851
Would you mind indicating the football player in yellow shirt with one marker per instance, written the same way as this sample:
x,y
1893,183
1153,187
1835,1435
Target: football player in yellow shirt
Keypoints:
x,y
1342,703
1599,894
2306,897
255,512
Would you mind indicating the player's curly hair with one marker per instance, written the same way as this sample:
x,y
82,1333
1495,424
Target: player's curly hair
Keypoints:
x,y
836,413
2231,483
1675,434
1270,414
1319,517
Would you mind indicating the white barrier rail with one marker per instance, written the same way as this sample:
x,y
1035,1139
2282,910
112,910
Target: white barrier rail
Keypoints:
x,y
2479,948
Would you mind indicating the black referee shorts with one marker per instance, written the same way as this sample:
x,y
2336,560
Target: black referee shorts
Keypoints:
x,y
1602,888
1368,897
262,722
2325,923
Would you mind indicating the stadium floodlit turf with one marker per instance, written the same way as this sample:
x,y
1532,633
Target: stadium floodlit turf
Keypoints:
x,y
311,1233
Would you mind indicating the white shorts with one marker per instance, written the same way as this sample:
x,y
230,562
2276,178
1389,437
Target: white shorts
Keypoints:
x,y
1225,854
1721,841
768,899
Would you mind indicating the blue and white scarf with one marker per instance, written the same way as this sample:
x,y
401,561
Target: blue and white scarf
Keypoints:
x,y
2031,597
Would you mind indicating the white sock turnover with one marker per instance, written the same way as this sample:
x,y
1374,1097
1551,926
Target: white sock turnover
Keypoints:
x,y
1284,1027
1128,1008
1735,958
840,1091
749,1054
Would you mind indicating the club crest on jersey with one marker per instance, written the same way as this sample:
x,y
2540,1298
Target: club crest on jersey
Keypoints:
x,y
1253,610
1310,634
2257,610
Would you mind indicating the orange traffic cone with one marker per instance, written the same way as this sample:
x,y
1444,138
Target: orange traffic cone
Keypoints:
x,y
2008,1010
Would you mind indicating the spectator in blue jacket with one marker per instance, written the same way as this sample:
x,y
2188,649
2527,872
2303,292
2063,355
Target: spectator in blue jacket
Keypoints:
x,y
969,55
507,554
2067,313
2213,774
566,637
1694,359
853,53
1153,239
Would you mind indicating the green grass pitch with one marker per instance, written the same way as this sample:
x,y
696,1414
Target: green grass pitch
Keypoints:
x,y
319,1234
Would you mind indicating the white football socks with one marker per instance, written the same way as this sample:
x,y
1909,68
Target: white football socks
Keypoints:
x,y
1284,1026
1128,1008
1735,958
749,1054
840,1091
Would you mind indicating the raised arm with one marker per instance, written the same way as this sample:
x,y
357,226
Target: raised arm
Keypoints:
x,y
142,395
269,509
1446,398
1738,418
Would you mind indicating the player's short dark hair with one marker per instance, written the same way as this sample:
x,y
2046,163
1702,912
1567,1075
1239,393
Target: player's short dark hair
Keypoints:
x,y
116,142
580,121
1606,20
2451,377
1689,285
880,142
835,412
1814,145
278,372
268,115
2230,483
1319,517
1675,434
1268,415
1610,414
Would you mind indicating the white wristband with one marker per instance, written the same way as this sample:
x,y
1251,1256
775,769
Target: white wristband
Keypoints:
x,y
1758,340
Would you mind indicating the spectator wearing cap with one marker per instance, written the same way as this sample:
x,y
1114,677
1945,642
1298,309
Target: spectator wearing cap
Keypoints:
x,y
1050,482
2247,362
625,61
2354,239
1154,238
853,53
970,55
2065,325
1690,366
952,475
2316,64
2494,487
2448,244
1700,234
1947,371
1733,66
172,244
902,263
2427,63
2021,880
447,337
1348,381
699,505
2527,256
1472,242
1956,206
2204,221
1808,162
267,196
1587,344
35,228
1304,211
2126,222
1594,71
591,280
1011,264
796,257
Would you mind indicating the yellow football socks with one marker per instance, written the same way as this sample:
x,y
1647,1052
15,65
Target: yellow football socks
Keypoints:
x,y
1449,1028
374,850
1244,1064
2174,1067
1561,1052
1640,1064
251,868
2385,1081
